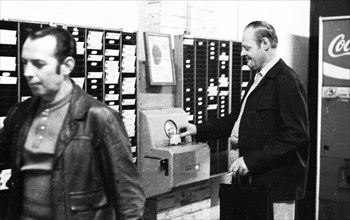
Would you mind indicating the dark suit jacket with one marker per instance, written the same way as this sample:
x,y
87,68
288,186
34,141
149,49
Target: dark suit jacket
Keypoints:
x,y
273,133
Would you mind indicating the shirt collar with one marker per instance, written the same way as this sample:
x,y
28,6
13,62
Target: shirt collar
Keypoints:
x,y
269,65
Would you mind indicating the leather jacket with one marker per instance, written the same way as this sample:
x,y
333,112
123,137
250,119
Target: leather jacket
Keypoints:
x,y
93,177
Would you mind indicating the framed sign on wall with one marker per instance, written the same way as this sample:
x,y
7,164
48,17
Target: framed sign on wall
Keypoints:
x,y
159,59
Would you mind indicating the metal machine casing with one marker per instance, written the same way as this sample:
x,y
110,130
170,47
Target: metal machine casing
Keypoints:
x,y
163,167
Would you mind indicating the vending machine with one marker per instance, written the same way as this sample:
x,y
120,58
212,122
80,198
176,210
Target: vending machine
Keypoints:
x,y
333,137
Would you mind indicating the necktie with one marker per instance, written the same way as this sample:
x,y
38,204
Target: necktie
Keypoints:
x,y
235,130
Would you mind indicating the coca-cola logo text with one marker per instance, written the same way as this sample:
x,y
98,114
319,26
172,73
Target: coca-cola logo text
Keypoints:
x,y
339,47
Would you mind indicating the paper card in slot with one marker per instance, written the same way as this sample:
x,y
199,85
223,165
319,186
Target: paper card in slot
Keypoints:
x,y
80,48
115,107
129,81
212,107
129,120
112,73
130,129
8,80
97,75
8,63
95,57
129,124
130,132
110,35
129,50
188,41
112,66
111,78
129,61
8,37
224,57
23,98
127,47
128,112
109,97
2,121
212,91
128,69
95,46
190,117
128,91
245,68
94,40
244,84
128,102
133,149
223,82
79,81
111,52
223,93
5,175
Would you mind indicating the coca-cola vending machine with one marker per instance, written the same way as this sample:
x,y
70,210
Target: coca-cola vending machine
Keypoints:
x,y
333,126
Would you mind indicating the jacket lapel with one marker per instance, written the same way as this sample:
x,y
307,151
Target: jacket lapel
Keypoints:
x,y
250,83
77,110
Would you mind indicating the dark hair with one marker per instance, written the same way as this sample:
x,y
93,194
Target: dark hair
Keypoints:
x,y
66,45
264,29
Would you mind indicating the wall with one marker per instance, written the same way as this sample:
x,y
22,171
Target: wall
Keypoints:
x,y
109,14
215,19
291,21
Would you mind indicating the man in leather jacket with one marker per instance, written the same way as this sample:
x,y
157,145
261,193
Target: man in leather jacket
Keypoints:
x,y
69,154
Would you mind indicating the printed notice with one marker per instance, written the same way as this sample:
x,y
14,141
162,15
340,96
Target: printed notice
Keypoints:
x,y
8,37
8,63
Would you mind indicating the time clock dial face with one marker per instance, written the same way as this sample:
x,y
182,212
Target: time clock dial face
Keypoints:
x,y
170,128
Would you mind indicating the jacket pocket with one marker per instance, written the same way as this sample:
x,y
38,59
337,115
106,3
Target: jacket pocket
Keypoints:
x,y
87,200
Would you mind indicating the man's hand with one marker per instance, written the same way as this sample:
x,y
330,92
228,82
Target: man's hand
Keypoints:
x,y
239,167
189,129
233,155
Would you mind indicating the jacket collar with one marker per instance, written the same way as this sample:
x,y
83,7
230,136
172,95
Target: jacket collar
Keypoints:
x,y
78,104
272,73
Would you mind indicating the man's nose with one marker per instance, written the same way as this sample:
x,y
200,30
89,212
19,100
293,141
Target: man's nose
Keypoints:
x,y
28,70
243,53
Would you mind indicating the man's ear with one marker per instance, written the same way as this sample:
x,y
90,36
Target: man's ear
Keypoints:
x,y
265,44
67,65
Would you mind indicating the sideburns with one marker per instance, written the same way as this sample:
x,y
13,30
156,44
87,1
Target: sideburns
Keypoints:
x,y
58,69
